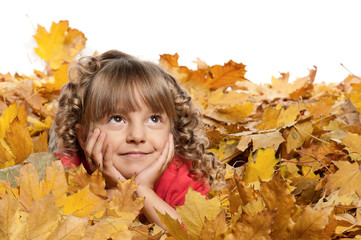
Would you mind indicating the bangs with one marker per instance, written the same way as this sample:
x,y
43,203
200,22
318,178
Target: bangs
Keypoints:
x,y
123,87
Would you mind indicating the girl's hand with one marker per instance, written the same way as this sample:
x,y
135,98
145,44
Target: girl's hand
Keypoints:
x,y
96,159
149,176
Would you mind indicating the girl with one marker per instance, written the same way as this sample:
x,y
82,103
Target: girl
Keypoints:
x,y
128,118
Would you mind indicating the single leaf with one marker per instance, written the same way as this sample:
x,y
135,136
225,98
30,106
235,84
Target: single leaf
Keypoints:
x,y
83,204
196,209
261,167
123,203
19,140
56,182
43,218
216,229
232,114
288,116
11,226
226,75
173,226
8,116
60,44
269,118
277,197
352,142
311,224
79,178
30,187
298,135
347,178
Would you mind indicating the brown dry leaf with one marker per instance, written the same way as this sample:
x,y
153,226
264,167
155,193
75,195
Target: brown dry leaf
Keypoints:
x,y
214,230
311,224
227,75
246,194
322,107
252,227
262,140
347,179
278,198
40,143
61,44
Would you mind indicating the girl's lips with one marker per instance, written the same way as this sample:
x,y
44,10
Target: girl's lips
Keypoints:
x,y
134,154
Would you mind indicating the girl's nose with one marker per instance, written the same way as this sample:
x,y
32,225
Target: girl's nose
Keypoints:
x,y
135,134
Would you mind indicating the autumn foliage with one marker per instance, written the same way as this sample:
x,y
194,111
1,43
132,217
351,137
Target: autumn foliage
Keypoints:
x,y
291,152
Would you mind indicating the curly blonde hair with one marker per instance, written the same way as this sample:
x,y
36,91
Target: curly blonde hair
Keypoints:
x,y
98,84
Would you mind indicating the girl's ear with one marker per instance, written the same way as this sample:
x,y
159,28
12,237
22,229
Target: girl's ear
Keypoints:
x,y
80,135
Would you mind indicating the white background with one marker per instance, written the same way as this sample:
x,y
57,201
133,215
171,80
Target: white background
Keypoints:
x,y
267,36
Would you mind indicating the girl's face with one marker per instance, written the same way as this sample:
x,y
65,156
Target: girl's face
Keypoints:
x,y
138,138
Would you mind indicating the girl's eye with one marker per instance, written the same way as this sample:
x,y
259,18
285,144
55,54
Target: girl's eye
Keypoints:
x,y
155,118
116,119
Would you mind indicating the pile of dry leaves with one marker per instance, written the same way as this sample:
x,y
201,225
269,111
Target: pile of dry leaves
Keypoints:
x,y
291,153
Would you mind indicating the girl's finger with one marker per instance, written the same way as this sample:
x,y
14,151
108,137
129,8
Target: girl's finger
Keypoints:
x,y
90,141
97,151
108,157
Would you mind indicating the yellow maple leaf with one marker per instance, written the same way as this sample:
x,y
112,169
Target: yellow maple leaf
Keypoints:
x,y
79,178
11,226
8,116
195,210
60,44
30,187
298,135
84,203
43,218
19,139
355,96
55,182
261,166
289,115
123,203
269,118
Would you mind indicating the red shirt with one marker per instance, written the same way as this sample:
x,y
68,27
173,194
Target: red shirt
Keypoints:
x,y
172,186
